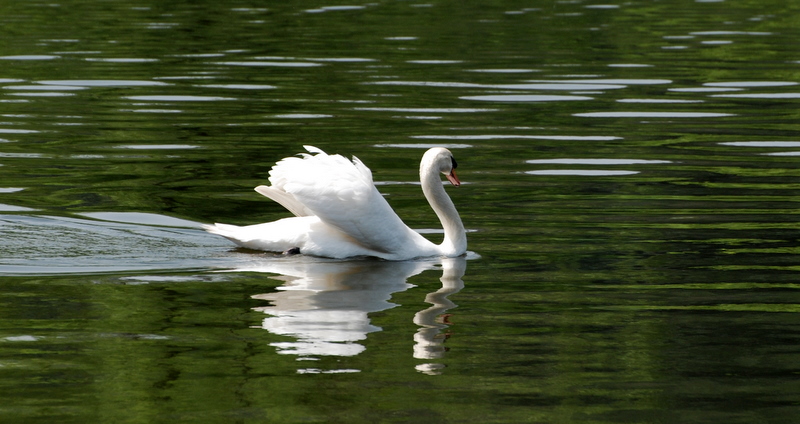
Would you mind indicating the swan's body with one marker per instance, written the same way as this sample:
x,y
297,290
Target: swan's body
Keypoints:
x,y
339,213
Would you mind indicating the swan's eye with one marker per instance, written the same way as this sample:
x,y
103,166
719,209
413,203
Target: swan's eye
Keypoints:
x,y
455,164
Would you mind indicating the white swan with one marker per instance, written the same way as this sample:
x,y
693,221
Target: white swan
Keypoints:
x,y
339,213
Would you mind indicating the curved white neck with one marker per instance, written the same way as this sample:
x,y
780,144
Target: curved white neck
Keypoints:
x,y
455,236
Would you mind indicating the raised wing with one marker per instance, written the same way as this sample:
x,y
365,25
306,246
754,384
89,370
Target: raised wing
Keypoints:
x,y
284,199
342,194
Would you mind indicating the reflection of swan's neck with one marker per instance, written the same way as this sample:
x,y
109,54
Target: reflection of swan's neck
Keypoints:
x,y
455,237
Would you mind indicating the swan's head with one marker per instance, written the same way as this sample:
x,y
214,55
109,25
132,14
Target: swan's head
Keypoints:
x,y
441,160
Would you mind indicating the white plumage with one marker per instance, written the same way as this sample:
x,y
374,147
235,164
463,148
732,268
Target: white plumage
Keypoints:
x,y
339,213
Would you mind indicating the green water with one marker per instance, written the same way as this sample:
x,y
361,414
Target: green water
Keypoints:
x,y
630,175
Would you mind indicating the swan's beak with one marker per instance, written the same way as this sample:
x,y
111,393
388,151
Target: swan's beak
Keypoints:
x,y
453,178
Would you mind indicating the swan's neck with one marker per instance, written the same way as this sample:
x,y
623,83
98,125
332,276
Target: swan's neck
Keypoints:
x,y
455,237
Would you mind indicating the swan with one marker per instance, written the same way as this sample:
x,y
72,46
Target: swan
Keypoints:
x,y
339,212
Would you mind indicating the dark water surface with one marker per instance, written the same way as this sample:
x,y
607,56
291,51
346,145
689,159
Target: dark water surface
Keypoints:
x,y
631,187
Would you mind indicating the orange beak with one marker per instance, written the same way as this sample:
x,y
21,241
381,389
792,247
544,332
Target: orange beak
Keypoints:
x,y
453,178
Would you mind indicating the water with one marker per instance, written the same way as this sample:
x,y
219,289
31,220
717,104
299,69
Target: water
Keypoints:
x,y
630,190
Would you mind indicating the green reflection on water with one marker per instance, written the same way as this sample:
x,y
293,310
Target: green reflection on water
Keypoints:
x,y
663,295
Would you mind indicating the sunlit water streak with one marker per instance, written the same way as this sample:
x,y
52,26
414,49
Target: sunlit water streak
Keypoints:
x,y
114,242
637,235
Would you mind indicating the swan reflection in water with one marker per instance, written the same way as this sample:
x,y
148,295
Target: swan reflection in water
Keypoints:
x,y
325,305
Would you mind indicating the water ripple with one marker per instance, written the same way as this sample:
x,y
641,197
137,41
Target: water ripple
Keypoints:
x,y
42,94
158,146
541,85
334,9
567,161
271,63
782,154
602,6
556,86
621,81
434,62
141,218
342,59
519,137
102,242
760,95
704,89
582,172
425,109
21,155
524,98
12,208
653,114
152,110
30,57
729,33
302,116
175,98
239,86
103,83
428,84
751,84
503,71
44,87
762,143
425,146
658,101
17,131
121,59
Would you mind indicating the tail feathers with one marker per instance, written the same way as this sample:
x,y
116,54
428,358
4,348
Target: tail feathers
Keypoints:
x,y
267,237
230,232
210,228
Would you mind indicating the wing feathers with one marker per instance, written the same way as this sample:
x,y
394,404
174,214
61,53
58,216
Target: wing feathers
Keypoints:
x,y
284,199
342,194
312,149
